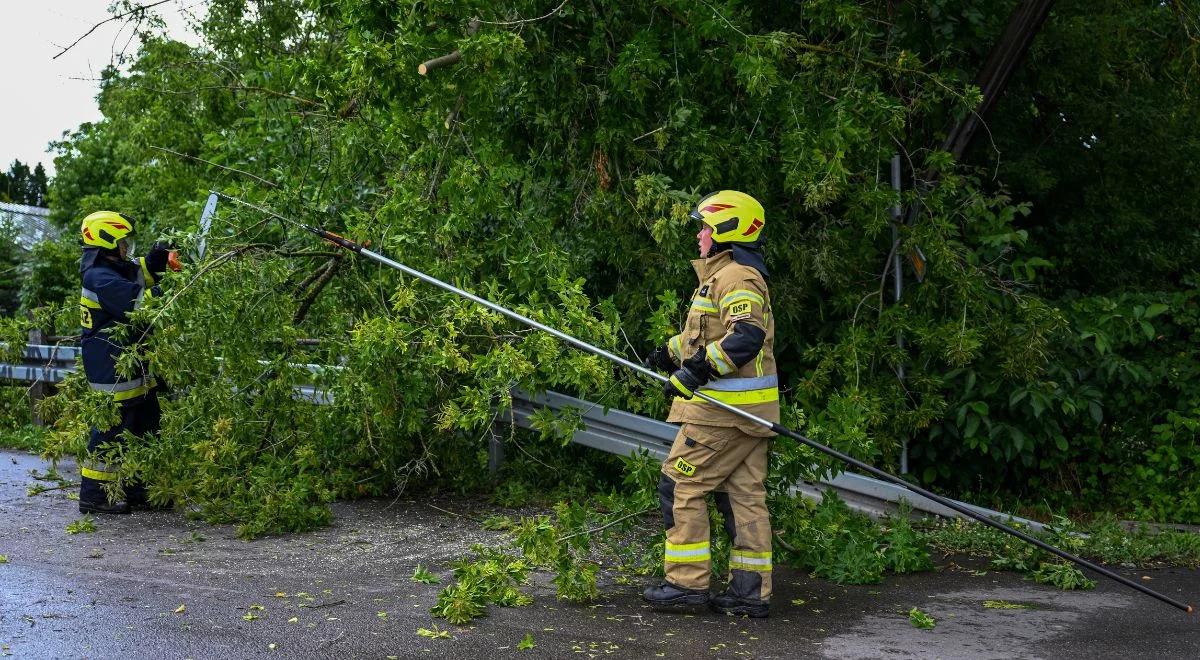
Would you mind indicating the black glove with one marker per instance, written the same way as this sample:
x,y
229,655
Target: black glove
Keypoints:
x,y
695,372
156,258
660,359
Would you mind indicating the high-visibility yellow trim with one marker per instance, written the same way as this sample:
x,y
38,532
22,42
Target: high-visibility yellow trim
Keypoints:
x,y
131,394
97,475
146,272
719,360
686,546
704,304
86,302
747,553
686,552
680,386
749,567
675,346
747,398
741,294
758,361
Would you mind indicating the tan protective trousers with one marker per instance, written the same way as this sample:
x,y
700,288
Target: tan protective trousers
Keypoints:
x,y
732,465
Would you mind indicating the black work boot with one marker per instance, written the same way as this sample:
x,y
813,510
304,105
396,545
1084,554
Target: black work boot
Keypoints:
x,y
136,495
104,506
669,595
93,499
730,604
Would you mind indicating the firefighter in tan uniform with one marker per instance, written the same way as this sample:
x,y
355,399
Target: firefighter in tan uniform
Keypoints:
x,y
724,352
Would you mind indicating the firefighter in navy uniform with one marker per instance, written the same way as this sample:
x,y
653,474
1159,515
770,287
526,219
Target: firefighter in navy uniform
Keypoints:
x,y
113,286
725,352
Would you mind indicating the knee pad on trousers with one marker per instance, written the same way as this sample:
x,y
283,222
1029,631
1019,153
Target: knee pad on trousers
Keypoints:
x,y
666,500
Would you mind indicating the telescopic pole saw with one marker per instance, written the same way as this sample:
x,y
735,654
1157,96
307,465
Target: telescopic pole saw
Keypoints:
x,y
776,428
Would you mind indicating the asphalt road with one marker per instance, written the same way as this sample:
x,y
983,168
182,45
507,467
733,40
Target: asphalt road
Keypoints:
x,y
155,585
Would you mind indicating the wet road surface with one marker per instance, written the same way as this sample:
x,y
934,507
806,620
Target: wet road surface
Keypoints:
x,y
156,585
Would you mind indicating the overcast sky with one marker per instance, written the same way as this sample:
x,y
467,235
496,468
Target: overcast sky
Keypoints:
x,y
43,96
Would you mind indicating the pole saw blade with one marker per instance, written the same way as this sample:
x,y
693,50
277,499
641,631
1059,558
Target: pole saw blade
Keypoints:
x,y
206,218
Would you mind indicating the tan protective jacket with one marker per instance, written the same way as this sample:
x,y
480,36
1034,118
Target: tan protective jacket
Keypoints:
x,y
729,294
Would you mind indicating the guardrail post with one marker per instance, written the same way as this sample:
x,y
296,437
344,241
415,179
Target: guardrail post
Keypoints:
x,y
495,449
40,389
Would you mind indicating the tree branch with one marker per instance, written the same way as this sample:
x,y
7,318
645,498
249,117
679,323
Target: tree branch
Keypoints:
x,y
311,296
118,17
257,178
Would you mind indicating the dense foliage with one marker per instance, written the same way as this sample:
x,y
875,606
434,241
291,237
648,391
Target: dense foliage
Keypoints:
x,y
22,185
550,170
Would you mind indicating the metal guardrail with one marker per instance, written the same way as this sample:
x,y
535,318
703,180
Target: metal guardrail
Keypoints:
x,y
605,429
622,433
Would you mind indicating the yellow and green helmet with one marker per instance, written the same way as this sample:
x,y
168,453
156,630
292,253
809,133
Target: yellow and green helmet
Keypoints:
x,y
104,229
735,217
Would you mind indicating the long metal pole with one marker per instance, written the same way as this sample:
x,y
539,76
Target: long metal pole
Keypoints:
x,y
777,428
898,289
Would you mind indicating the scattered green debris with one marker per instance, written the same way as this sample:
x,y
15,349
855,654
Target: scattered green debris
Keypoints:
x,y
498,523
526,642
420,574
3,559
920,619
492,577
85,525
434,633
1005,605
1062,575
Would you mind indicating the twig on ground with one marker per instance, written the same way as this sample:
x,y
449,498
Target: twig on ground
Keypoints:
x,y
320,605
605,526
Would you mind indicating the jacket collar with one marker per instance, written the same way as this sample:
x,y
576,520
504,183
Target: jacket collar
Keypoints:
x,y
706,268
94,257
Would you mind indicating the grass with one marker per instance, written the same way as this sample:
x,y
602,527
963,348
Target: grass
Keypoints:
x,y
22,438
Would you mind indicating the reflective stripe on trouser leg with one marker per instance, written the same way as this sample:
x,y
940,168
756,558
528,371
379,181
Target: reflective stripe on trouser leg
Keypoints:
x,y
98,471
750,557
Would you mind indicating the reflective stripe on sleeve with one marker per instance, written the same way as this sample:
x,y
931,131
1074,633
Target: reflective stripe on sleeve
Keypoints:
x,y
718,359
680,386
741,294
149,277
675,346
88,298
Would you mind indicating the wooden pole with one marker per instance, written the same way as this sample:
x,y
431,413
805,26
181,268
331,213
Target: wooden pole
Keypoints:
x,y
40,388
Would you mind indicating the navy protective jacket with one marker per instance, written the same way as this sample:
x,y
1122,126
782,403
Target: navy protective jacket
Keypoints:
x,y
112,288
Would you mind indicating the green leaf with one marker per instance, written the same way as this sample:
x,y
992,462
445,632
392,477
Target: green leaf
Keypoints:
x,y
972,426
1155,310
526,642
921,620
420,574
